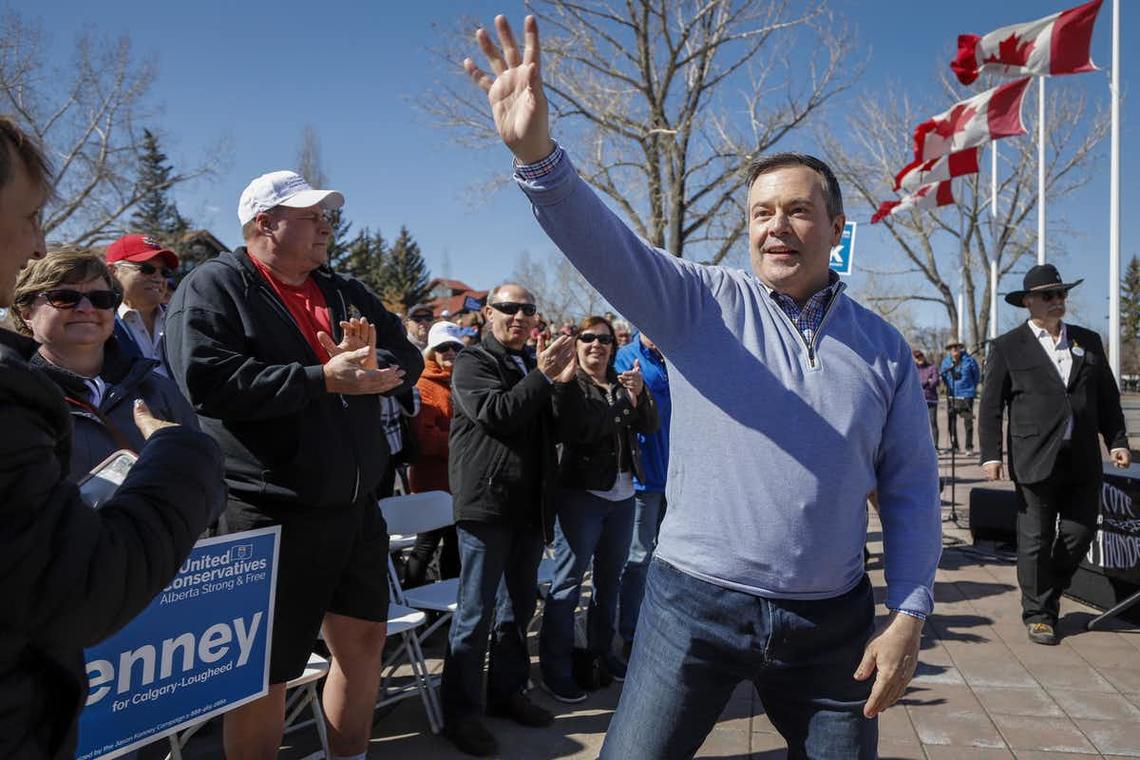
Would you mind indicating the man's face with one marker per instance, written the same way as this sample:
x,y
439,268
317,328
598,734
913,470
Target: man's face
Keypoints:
x,y
143,282
790,235
511,329
1046,305
955,352
301,235
21,236
418,325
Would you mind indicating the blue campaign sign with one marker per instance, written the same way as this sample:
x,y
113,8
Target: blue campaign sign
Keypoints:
x,y
843,254
201,647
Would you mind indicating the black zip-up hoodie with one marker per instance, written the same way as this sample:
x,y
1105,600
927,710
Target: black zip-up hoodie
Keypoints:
x,y
258,388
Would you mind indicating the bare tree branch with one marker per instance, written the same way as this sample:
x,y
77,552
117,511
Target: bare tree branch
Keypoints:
x,y
643,91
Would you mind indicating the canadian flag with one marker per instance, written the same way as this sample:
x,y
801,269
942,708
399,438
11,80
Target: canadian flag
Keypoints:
x,y
1057,44
919,173
928,196
989,116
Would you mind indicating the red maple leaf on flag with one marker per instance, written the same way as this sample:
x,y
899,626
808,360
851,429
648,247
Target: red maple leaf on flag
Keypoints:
x,y
959,117
1010,53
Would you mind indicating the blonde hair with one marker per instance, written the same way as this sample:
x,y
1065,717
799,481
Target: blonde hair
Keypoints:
x,y
62,266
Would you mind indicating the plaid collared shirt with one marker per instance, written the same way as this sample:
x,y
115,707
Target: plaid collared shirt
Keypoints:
x,y
808,319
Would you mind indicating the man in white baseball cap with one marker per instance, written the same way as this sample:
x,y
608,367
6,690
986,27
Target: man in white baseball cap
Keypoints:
x,y
287,364
282,188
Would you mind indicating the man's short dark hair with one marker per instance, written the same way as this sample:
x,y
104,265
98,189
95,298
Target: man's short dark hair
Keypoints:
x,y
830,185
29,152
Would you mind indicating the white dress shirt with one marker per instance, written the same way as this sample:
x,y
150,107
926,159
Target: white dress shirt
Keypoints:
x,y
1059,356
150,345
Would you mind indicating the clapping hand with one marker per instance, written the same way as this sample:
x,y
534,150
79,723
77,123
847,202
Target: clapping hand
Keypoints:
x,y
515,93
353,369
633,381
358,333
558,361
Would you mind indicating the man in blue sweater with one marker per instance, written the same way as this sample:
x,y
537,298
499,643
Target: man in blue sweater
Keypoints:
x,y
961,374
649,502
790,404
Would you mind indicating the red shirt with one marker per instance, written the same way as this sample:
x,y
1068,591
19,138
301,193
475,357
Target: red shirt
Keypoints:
x,y
306,303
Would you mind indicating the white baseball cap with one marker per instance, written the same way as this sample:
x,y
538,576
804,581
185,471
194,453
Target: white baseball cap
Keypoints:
x,y
442,333
283,188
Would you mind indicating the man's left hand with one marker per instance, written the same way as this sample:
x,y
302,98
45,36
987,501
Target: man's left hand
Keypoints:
x,y
1121,458
358,333
892,655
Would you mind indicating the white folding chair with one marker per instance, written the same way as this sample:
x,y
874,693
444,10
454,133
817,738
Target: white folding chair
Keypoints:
x,y
420,513
302,694
403,622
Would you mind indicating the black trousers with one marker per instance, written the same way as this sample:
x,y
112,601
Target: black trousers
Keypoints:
x,y
1056,523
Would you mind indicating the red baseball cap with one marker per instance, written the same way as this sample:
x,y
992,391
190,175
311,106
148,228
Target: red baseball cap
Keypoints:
x,y
140,248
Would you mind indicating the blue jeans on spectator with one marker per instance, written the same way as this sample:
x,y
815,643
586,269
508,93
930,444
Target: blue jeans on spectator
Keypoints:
x,y
649,508
696,641
498,583
588,528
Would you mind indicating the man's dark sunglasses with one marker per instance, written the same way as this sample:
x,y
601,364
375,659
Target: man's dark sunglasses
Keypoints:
x,y
510,308
65,298
147,269
421,318
604,339
1053,295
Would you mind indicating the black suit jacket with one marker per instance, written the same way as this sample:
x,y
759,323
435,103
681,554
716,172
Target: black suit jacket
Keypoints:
x,y
1021,376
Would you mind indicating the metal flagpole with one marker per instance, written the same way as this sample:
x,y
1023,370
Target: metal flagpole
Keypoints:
x,y
994,237
1040,170
1114,203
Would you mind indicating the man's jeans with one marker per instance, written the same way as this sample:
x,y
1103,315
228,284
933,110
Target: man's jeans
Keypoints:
x,y
696,641
649,508
498,579
588,528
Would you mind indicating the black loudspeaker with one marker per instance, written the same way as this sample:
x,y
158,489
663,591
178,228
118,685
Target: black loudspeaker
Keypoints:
x,y
993,515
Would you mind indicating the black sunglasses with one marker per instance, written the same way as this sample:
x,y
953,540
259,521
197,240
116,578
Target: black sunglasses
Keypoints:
x,y
65,298
444,348
147,269
510,308
421,318
1052,295
604,339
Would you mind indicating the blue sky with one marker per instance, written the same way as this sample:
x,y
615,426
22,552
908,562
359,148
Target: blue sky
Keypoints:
x,y
254,75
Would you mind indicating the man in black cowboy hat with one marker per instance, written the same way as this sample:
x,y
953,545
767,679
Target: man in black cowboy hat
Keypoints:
x,y
1055,379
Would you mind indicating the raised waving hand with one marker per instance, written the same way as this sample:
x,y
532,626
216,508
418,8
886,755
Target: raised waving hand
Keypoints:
x,y
515,93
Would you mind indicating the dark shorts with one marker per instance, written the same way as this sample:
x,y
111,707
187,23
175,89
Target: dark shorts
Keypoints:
x,y
331,560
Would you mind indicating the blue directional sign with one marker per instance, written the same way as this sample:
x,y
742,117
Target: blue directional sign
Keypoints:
x,y
199,649
843,254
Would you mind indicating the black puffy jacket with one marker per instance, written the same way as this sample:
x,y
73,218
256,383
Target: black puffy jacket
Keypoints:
x,y
259,389
70,576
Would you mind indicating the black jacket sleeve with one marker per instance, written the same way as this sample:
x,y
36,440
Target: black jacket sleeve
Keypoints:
x,y
477,388
204,349
646,420
1110,414
72,575
995,393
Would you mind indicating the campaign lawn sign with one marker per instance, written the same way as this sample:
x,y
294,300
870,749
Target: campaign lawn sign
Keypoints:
x,y
843,254
200,648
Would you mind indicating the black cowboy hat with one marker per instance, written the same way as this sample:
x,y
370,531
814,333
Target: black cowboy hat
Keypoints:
x,y
1038,278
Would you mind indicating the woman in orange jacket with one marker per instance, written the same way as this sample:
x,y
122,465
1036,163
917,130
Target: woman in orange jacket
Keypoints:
x,y
430,429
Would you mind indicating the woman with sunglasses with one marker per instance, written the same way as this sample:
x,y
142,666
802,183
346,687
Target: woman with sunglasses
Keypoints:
x,y
67,302
431,428
598,415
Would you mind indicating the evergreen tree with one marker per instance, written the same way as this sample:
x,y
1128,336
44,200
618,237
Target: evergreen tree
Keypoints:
x,y
1130,301
156,213
405,273
363,258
